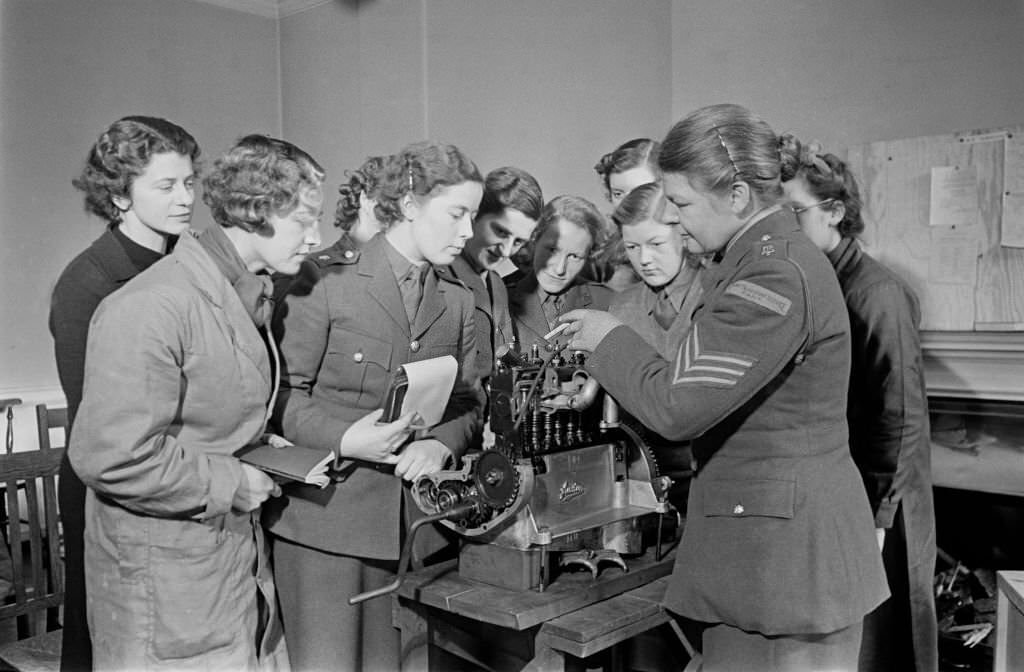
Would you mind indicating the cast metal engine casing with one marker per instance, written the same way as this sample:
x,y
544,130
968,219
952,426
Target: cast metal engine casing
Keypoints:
x,y
563,474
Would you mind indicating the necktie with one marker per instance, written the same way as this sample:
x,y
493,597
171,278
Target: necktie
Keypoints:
x,y
664,312
553,307
412,291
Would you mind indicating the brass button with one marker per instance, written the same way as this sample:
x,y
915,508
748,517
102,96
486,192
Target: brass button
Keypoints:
x,y
765,238
349,254
358,357
415,346
738,509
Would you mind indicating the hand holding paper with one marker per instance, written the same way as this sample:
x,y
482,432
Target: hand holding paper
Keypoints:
x,y
424,387
367,439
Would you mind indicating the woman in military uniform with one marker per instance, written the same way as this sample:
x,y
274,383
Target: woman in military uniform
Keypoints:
x,y
778,563
568,233
348,322
887,412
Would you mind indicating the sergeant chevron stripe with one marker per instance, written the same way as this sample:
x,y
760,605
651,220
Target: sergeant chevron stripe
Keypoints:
x,y
697,366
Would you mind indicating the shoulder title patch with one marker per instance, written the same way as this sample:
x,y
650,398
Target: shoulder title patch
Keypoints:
x,y
762,296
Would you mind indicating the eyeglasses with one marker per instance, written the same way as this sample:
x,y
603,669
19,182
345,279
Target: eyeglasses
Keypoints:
x,y
797,210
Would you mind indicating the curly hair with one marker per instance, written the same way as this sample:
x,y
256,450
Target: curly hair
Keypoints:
x,y
121,154
511,187
258,177
719,145
364,180
420,169
628,155
827,178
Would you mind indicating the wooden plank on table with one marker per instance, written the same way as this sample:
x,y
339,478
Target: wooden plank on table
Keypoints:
x,y
519,610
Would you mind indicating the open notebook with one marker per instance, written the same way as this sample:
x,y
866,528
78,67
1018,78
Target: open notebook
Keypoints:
x,y
285,460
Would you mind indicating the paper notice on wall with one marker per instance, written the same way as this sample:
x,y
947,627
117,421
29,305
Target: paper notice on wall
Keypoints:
x,y
954,197
953,259
1012,233
1013,164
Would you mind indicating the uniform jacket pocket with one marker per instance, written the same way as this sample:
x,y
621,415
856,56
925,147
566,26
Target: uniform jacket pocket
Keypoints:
x,y
357,364
740,498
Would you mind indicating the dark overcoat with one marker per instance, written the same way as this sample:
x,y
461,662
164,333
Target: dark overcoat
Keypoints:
x,y
779,538
491,312
528,318
99,270
890,438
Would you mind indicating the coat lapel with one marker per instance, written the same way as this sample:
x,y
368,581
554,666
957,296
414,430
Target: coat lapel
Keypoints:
x,y
381,283
432,305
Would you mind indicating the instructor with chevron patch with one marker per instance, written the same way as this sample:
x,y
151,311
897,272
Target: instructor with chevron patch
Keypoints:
x,y
778,563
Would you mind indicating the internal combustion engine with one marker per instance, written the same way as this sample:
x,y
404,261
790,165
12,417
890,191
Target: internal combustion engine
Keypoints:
x,y
565,483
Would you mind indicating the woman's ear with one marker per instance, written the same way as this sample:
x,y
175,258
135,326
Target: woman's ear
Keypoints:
x,y
740,197
122,203
409,205
836,214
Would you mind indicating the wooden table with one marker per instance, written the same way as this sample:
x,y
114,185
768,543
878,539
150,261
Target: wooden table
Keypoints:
x,y
501,629
1010,622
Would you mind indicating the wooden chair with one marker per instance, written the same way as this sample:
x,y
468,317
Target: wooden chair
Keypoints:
x,y
35,554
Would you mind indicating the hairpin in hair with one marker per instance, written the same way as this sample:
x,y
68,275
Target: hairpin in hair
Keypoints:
x,y
721,141
408,168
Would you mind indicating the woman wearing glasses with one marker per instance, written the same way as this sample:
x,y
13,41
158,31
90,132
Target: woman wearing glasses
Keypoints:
x,y
887,411
777,565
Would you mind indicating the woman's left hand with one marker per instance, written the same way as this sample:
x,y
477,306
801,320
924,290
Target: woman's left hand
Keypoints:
x,y
421,457
588,328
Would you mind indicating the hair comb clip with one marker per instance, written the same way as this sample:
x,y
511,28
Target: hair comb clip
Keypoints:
x,y
721,141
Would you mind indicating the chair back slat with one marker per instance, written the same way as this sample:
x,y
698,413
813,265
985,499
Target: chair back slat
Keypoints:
x,y
28,483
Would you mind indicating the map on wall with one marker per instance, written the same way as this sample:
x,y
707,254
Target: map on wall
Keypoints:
x,y
947,213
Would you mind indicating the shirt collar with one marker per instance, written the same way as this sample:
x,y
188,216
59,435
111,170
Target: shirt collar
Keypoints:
x,y
754,219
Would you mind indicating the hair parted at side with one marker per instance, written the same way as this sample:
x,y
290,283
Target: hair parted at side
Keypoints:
x,y
639,205
363,181
260,176
420,169
579,211
827,178
122,153
718,145
511,187
628,155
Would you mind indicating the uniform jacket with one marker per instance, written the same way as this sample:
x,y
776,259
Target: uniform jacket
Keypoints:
x,y
343,332
635,307
491,314
99,270
177,379
779,537
528,319
888,418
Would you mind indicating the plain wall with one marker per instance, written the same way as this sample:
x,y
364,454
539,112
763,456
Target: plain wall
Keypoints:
x,y
546,86
848,73
68,68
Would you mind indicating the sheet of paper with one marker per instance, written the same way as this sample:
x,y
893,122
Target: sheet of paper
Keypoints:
x,y
430,385
954,197
1012,234
1013,164
953,259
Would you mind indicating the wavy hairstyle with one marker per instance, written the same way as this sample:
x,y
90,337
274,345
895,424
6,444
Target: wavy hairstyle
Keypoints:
x,y
628,155
363,181
420,169
121,154
719,145
827,178
511,187
258,177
